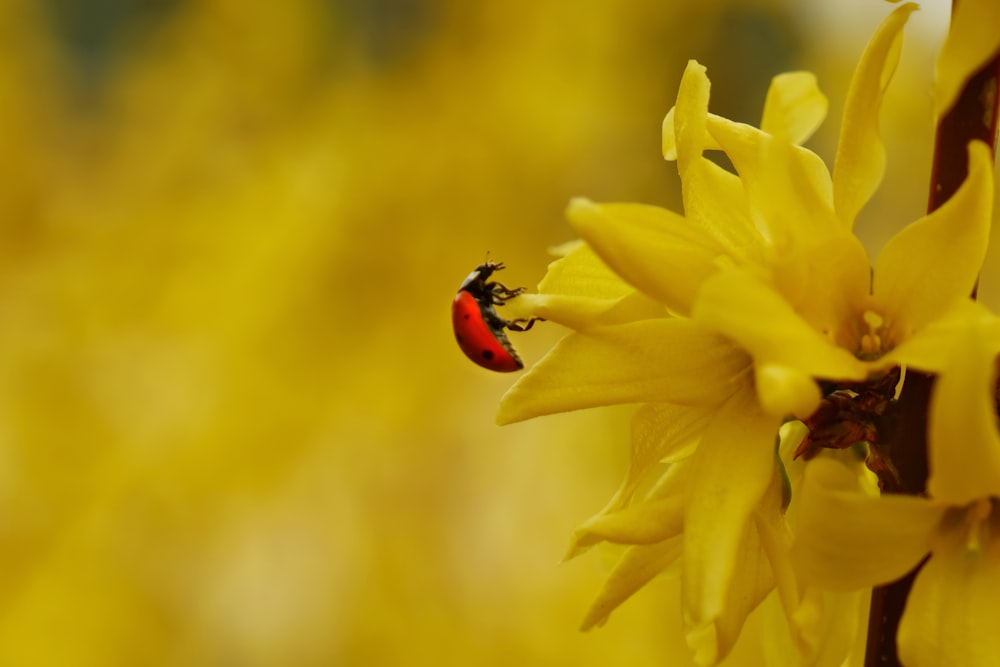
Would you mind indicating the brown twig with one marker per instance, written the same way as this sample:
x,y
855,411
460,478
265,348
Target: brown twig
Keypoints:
x,y
974,116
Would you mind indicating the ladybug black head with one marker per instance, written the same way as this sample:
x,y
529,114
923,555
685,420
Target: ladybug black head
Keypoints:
x,y
486,269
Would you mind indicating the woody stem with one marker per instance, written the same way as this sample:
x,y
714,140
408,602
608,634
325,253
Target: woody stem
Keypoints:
x,y
974,116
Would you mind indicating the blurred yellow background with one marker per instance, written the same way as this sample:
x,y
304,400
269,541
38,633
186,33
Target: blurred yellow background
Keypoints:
x,y
235,426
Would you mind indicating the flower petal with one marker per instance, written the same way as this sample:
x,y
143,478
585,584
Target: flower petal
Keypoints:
x,y
663,360
935,261
716,201
785,391
847,539
929,349
580,291
972,40
951,615
653,249
794,107
646,522
690,116
712,643
636,568
661,433
860,161
964,446
580,272
743,308
788,187
731,468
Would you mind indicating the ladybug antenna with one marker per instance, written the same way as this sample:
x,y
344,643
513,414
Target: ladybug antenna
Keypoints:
x,y
496,266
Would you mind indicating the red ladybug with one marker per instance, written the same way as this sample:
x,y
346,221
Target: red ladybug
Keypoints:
x,y
479,330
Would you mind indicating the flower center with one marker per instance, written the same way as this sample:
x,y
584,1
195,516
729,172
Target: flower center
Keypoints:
x,y
870,345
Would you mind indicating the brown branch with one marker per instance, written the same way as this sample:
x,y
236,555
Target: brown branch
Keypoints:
x,y
974,116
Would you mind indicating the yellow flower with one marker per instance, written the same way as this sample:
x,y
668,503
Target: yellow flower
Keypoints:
x,y
721,320
849,539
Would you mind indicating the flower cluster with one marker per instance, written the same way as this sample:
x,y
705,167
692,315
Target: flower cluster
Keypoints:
x,y
760,341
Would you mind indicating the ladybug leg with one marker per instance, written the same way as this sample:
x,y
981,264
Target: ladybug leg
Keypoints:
x,y
515,325
500,293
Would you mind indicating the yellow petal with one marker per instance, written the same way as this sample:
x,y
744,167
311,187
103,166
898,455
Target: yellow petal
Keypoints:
x,y
580,291
847,539
929,349
741,307
580,312
794,107
952,615
833,627
935,261
972,40
788,187
860,161
661,432
646,522
731,470
753,583
716,201
670,137
653,249
637,568
665,360
684,135
582,273
784,391
964,446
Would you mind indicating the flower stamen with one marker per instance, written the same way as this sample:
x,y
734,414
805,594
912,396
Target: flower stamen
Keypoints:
x,y
978,527
871,342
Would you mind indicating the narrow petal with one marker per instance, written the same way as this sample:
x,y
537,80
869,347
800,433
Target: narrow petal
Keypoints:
x,y
582,273
653,249
951,615
930,348
784,391
935,261
661,432
665,360
860,161
732,468
580,291
833,627
752,584
739,306
637,568
646,522
788,187
794,107
581,313
964,446
972,40
847,539
716,201
690,116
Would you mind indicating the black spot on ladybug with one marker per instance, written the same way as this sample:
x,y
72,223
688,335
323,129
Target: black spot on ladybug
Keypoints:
x,y
487,354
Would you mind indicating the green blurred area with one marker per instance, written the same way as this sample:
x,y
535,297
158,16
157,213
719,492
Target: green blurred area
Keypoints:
x,y
235,427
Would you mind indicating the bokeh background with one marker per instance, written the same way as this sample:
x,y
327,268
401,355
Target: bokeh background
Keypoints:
x,y
235,428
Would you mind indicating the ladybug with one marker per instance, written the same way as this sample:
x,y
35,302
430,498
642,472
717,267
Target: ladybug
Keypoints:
x,y
479,330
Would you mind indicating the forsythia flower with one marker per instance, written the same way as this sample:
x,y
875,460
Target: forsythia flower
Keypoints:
x,y
849,539
721,320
